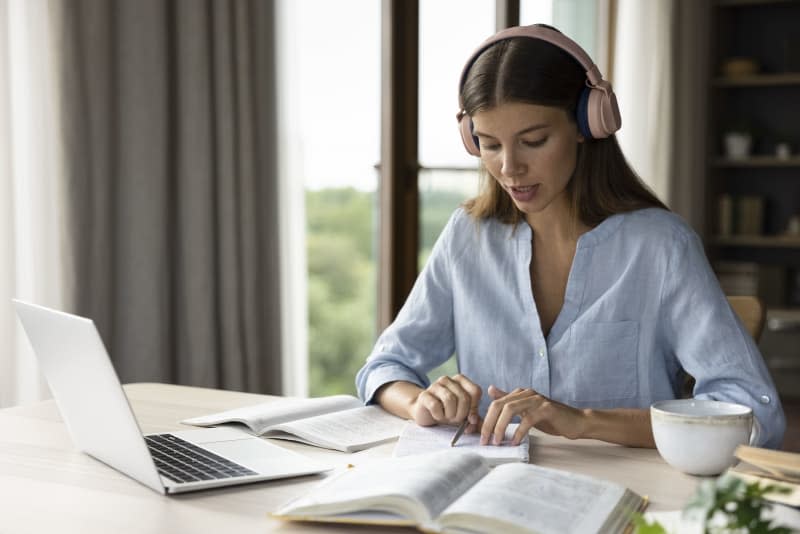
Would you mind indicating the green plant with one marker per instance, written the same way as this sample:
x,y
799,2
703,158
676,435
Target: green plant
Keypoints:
x,y
725,505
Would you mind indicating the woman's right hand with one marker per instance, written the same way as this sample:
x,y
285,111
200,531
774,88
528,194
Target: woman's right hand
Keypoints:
x,y
448,401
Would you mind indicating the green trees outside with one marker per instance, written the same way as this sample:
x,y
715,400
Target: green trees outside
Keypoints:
x,y
342,284
341,237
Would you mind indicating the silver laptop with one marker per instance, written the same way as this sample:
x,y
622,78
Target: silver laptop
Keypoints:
x,y
100,420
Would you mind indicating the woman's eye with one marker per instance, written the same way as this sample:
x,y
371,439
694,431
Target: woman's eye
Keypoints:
x,y
489,146
538,142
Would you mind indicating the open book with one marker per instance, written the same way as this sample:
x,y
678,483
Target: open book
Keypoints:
x,y
768,467
415,439
449,491
338,422
780,465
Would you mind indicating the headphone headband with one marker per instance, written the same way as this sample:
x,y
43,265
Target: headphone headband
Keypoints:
x,y
601,117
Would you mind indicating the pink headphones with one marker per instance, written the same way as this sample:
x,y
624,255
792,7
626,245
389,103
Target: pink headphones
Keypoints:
x,y
597,113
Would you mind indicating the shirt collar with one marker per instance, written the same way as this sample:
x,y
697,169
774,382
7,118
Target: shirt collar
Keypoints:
x,y
522,231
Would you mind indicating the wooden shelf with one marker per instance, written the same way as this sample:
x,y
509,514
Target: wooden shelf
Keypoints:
x,y
758,161
760,35
758,80
759,241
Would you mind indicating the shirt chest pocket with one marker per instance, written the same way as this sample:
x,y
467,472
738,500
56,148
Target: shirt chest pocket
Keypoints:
x,y
603,362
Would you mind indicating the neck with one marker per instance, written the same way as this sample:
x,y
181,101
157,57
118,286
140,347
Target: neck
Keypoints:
x,y
556,225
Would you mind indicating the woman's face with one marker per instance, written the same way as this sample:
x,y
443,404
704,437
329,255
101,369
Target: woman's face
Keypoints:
x,y
531,151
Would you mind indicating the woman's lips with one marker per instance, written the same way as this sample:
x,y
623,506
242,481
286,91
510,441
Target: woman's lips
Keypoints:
x,y
523,193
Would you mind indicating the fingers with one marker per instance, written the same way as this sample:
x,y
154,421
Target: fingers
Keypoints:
x,y
530,412
427,409
524,427
449,400
520,402
474,392
455,401
496,393
492,414
472,428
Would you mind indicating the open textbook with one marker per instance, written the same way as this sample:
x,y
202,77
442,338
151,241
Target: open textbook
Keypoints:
x,y
338,422
415,439
449,491
781,465
773,468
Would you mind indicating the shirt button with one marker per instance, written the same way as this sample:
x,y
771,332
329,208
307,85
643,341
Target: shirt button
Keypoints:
x,y
765,399
541,353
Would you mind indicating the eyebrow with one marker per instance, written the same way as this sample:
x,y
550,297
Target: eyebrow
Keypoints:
x,y
521,132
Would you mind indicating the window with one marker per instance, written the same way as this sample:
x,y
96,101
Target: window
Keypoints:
x,y
329,97
576,18
448,175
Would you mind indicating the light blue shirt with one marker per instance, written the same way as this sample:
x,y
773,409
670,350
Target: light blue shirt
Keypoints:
x,y
641,303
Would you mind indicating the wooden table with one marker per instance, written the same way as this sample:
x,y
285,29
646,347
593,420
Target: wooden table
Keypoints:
x,y
46,485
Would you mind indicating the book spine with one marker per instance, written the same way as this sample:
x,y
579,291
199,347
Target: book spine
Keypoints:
x,y
749,215
725,211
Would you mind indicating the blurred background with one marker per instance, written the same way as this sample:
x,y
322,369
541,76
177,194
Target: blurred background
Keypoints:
x,y
240,193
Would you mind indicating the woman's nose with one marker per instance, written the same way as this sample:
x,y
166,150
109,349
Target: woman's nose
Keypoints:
x,y
511,166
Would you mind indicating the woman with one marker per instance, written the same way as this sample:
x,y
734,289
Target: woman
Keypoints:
x,y
571,296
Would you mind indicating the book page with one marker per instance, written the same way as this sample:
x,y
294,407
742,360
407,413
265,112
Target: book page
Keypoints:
x,y
537,499
419,487
751,474
348,430
415,439
260,416
782,465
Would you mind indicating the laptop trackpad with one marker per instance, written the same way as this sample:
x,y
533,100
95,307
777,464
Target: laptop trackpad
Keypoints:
x,y
266,458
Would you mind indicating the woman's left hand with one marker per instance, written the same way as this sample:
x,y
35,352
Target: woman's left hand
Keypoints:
x,y
534,410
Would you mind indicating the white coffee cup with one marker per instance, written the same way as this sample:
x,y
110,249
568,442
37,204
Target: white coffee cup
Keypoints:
x,y
699,437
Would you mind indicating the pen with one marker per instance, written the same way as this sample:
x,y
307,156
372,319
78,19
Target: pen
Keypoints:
x,y
461,428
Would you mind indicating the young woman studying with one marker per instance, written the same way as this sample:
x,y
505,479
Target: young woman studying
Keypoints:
x,y
571,296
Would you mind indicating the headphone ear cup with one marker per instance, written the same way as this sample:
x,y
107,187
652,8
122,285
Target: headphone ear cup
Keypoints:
x,y
602,113
469,140
609,113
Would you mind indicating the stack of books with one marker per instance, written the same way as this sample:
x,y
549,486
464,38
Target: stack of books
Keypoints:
x,y
765,281
738,277
740,215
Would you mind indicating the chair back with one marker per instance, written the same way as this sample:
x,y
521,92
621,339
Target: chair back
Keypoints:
x,y
751,312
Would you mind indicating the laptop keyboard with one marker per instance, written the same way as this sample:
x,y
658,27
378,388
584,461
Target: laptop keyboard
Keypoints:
x,y
182,461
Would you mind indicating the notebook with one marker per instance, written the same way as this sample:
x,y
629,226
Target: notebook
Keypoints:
x,y
97,413
415,439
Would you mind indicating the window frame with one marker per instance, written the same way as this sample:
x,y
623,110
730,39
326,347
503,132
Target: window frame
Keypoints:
x,y
399,224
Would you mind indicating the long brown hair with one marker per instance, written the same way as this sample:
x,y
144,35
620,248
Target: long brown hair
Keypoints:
x,y
533,71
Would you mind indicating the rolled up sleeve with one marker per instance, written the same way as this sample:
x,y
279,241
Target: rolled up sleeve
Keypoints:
x,y
713,346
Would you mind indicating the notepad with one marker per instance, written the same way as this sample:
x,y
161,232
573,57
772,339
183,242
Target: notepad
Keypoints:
x,y
415,439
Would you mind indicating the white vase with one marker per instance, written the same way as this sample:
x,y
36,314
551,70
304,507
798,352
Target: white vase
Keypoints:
x,y
737,145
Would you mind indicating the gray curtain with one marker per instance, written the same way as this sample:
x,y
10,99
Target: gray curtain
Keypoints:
x,y
689,134
169,126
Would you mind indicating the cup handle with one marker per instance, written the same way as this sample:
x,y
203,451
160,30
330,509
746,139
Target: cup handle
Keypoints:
x,y
755,432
